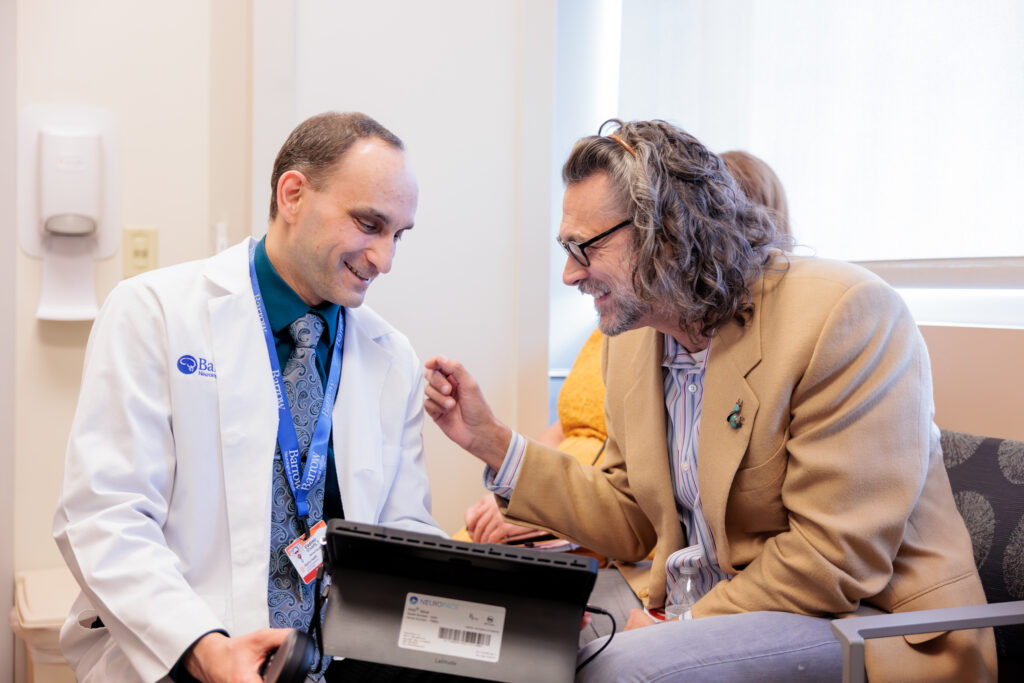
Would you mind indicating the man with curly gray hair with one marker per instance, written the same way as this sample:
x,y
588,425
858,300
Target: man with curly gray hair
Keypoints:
x,y
770,435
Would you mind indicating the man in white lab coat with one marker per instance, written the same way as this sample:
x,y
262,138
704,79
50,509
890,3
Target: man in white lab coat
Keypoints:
x,y
173,467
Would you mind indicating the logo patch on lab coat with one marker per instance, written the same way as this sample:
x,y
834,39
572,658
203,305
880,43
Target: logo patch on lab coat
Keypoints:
x,y
188,365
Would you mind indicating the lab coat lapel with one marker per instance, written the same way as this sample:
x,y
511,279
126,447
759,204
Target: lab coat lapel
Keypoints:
x,y
248,418
357,418
734,352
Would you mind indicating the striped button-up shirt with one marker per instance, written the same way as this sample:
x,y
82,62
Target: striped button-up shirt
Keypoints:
x,y
684,395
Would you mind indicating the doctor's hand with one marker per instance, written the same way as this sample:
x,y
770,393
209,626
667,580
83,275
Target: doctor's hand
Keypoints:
x,y
216,658
456,404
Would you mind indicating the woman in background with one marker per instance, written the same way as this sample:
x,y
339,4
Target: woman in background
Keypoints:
x,y
759,182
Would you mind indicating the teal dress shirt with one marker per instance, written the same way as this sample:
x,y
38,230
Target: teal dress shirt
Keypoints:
x,y
283,307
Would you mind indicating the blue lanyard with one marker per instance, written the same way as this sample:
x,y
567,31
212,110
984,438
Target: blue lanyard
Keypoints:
x,y
301,483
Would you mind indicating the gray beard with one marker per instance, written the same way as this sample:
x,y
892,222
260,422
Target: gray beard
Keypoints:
x,y
625,316
626,313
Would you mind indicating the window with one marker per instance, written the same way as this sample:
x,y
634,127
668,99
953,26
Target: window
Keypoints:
x,y
895,126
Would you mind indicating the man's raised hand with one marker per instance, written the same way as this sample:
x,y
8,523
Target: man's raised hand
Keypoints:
x,y
454,401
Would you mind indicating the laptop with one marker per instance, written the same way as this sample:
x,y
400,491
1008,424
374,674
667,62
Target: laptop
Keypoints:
x,y
484,611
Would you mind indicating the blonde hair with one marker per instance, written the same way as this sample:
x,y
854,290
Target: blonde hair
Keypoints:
x,y
759,182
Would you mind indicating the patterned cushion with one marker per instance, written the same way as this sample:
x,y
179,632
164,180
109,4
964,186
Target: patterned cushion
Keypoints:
x,y
987,477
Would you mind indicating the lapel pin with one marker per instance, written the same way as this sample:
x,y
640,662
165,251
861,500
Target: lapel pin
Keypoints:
x,y
734,418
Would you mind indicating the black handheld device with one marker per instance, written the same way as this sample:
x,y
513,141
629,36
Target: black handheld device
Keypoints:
x,y
292,661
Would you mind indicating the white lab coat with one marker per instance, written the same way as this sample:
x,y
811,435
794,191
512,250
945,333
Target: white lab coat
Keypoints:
x,y
164,513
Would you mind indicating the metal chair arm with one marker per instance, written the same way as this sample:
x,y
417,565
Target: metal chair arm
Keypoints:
x,y
851,632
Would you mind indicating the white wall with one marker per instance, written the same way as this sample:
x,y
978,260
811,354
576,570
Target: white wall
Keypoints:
x,y
8,234
468,86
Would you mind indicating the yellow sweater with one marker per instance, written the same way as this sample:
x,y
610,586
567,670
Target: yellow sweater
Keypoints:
x,y
581,405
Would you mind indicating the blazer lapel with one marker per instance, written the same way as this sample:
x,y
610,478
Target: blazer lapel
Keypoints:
x,y
644,432
734,352
645,418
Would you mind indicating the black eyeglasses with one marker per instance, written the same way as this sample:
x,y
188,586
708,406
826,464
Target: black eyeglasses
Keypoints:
x,y
578,249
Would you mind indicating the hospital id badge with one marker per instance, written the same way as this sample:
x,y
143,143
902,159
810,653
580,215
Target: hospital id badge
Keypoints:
x,y
306,552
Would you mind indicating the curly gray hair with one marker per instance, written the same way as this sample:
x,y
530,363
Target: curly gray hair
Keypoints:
x,y
699,243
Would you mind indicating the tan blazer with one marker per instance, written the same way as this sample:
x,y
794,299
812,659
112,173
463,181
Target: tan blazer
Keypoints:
x,y
830,496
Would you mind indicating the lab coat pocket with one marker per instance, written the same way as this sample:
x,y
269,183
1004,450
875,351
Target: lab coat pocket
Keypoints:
x,y
83,639
361,492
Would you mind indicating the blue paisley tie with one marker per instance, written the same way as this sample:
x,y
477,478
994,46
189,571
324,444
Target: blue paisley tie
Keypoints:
x,y
290,600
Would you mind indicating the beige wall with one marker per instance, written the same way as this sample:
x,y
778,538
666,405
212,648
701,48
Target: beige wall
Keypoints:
x,y
978,379
176,75
8,233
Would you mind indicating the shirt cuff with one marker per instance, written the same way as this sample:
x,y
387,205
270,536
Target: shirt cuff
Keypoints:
x,y
504,480
178,673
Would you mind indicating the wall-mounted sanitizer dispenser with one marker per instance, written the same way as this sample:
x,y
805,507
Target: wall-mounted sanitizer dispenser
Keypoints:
x,y
68,202
69,181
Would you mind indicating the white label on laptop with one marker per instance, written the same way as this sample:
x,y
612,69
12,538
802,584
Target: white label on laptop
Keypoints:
x,y
452,627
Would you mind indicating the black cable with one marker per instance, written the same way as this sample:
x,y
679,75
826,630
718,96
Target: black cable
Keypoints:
x,y
598,610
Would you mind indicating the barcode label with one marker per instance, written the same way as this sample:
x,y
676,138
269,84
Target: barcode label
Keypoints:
x,y
456,636
452,627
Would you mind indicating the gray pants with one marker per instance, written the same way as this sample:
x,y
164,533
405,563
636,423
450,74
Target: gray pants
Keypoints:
x,y
755,646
